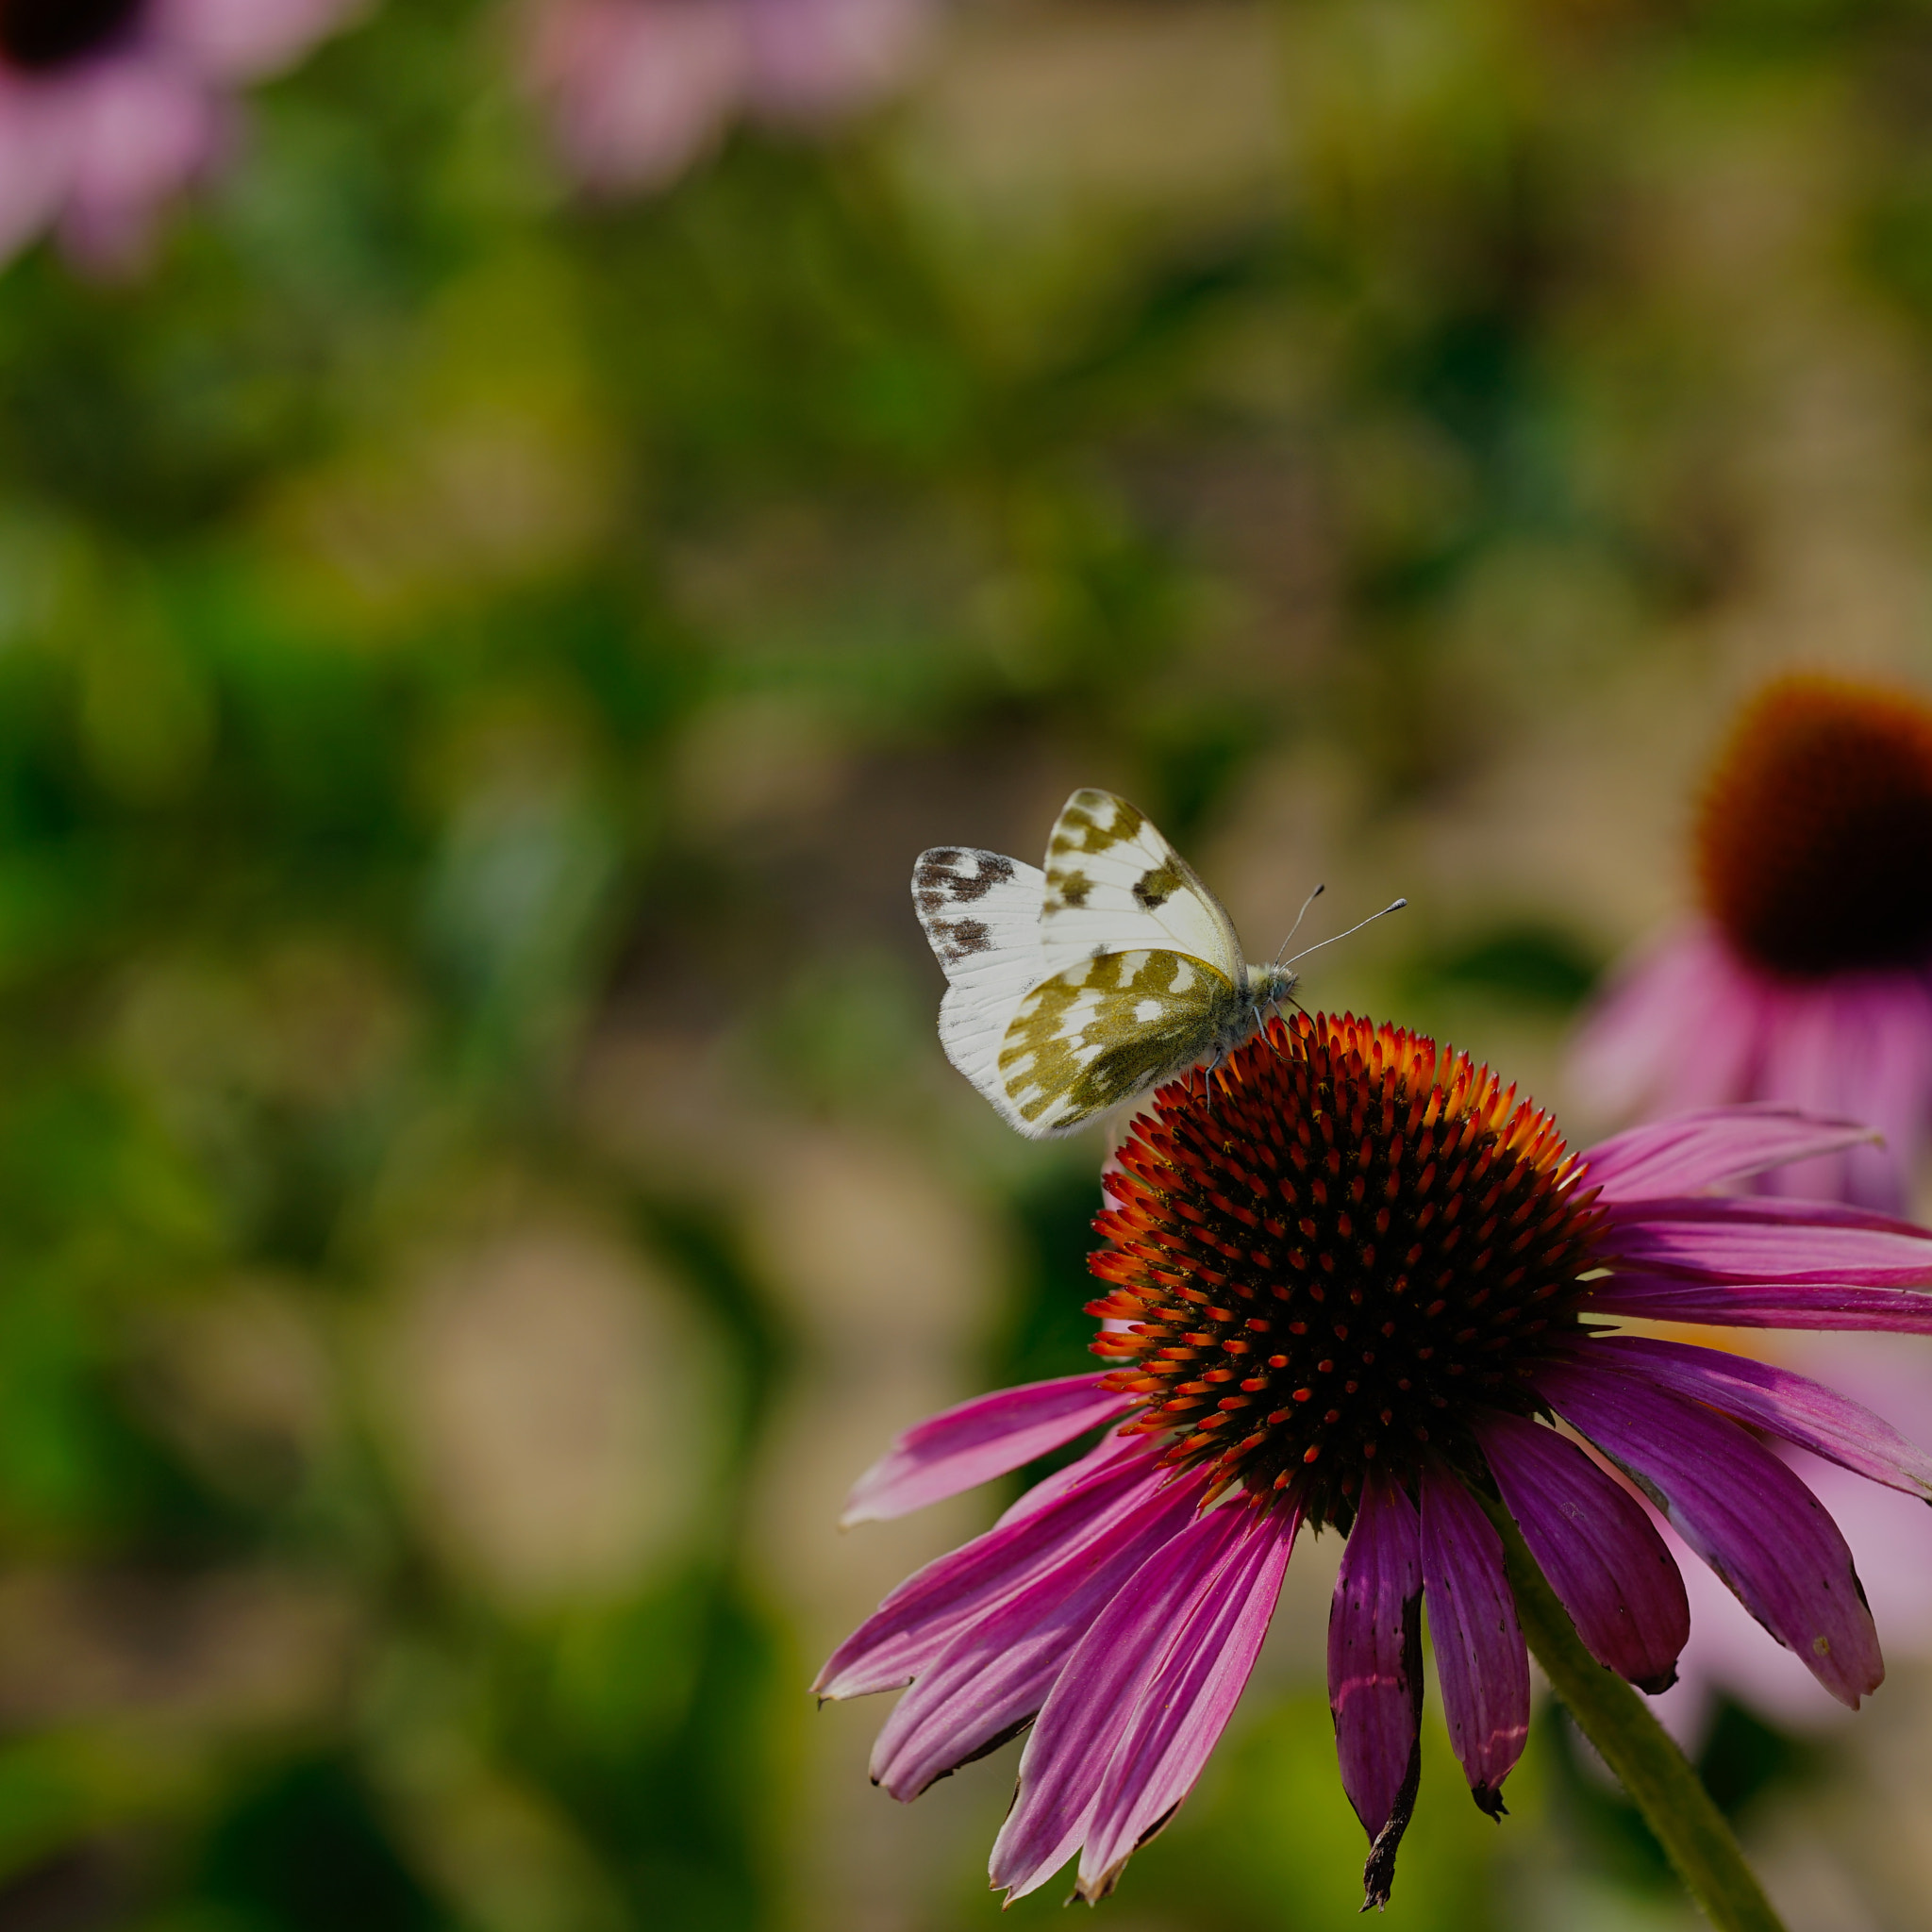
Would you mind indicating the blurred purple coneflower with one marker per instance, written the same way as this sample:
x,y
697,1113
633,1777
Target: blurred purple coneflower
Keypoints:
x,y
108,107
1357,1294
639,89
1808,978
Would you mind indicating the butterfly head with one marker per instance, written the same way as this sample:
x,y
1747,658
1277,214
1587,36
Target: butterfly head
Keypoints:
x,y
1272,985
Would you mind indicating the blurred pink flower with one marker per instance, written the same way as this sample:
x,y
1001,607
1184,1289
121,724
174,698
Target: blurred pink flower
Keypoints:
x,y
1352,1294
638,89
1808,978
108,107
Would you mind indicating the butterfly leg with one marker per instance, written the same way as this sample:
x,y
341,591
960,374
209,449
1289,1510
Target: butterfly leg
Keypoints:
x,y
1288,999
1207,1073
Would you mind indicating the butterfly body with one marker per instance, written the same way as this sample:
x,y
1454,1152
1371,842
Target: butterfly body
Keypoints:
x,y
1073,989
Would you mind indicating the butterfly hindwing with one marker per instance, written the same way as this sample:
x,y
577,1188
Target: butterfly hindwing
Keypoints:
x,y
1105,1029
981,915
1113,883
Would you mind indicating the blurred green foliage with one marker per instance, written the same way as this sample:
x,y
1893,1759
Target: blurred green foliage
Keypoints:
x,y
446,627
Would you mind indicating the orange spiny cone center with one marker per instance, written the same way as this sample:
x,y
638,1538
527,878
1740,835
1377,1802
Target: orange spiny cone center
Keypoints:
x,y
1814,838
1361,1240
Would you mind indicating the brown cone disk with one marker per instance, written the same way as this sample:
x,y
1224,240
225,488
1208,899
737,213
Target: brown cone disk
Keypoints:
x,y
1814,838
1362,1241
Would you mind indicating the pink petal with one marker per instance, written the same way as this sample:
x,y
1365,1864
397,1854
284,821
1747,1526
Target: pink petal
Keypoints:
x,y
638,89
1766,1304
996,1672
1608,1567
1742,1511
1729,1654
1070,1475
921,1617
35,144
142,132
1741,1240
1787,1404
1692,1151
1680,1028
1857,1043
1886,1529
1182,1631
1761,1210
245,39
990,1436
814,58
1178,1718
1480,1657
1375,1675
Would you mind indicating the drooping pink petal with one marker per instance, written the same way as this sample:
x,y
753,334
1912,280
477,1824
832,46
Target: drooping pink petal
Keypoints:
x,y
1857,1043
1146,1642
809,58
1375,1674
1693,1151
1741,1509
143,131
1787,1404
244,39
1895,1094
1737,1240
979,1439
1608,1567
1679,1030
1887,1532
921,1617
1691,1026
1050,1488
637,89
1186,1703
1764,1304
98,144
36,156
996,1672
1480,1656
1733,1210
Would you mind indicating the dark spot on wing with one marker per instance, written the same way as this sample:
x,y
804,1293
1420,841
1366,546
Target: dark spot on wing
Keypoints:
x,y
936,875
1073,888
958,938
1155,888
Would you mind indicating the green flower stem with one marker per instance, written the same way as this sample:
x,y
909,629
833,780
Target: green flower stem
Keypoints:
x,y
1642,1753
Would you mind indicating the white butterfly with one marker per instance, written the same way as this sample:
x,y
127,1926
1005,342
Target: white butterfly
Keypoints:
x,y
1073,989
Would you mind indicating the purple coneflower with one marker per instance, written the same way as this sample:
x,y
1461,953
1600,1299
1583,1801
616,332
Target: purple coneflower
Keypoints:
x,y
639,89
1356,1294
1808,979
107,108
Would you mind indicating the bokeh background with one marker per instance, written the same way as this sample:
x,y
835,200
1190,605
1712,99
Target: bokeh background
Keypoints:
x,y
477,1177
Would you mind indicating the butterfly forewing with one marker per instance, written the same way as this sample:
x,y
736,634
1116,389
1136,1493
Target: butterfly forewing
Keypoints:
x,y
1104,1030
981,915
1113,882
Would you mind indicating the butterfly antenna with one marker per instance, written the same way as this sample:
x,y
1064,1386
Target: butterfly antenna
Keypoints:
x,y
1395,905
1298,918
